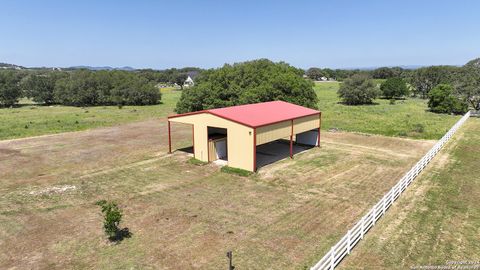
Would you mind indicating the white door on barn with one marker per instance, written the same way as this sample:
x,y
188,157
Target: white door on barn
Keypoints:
x,y
221,149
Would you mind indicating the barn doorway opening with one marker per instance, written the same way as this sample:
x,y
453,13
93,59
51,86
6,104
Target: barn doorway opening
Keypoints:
x,y
217,145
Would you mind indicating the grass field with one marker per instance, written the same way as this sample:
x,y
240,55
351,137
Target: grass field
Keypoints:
x,y
33,120
184,216
407,118
437,220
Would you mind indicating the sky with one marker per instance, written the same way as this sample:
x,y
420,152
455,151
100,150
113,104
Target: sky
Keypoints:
x,y
208,34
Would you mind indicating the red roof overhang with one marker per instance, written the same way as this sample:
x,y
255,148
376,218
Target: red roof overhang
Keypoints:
x,y
258,114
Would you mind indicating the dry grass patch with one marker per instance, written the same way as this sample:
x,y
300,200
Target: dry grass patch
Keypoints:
x,y
185,216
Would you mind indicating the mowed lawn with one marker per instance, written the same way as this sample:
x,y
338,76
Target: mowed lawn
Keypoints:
x,y
184,216
33,120
437,220
406,118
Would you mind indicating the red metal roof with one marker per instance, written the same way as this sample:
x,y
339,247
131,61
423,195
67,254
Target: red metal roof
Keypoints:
x,y
259,114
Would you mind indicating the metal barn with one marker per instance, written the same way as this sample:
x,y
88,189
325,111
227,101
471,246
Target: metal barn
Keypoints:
x,y
233,133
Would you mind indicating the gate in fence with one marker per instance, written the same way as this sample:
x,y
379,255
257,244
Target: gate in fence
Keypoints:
x,y
357,232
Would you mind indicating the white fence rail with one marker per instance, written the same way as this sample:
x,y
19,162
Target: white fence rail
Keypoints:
x,y
357,232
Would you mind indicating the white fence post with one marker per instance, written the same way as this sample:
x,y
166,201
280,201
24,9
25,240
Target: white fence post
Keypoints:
x,y
332,258
393,196
384,200
362,227
328,261
348,241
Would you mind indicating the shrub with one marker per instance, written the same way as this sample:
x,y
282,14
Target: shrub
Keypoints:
x,y
442,100
112,218
394,88
358,89
236,171
248,82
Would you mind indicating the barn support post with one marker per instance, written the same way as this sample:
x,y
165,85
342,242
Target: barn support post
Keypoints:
x,y
169,139
254,149
291,142
319,126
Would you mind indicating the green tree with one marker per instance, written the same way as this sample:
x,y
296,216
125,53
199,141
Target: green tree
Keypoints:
x,y
40,87
425,79
394,88
315,73
442,100
358,89
179,79
90,88
112,217
129,89
10,90
468,83
475,63
248,82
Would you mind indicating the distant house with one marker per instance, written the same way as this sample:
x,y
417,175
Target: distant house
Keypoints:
x,y
188,82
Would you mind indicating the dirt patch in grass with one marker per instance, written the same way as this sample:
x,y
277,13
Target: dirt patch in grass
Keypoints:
x,y
185,216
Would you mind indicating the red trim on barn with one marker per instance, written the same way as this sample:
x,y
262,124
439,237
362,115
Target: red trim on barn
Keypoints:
x,y
319,127
169,139
291,141
258,114
185,114
254,149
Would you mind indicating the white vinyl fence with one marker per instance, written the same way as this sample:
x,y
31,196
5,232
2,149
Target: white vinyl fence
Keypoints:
x,y
357,232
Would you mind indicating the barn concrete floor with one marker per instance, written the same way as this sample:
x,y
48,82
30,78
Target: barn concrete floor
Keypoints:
x,y
277,150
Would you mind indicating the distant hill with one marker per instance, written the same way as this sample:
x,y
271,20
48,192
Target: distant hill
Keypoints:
x,y
126,68
10,66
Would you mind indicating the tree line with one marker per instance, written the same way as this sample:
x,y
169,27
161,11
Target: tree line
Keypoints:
x,y
170,76
84,87
77,88
318,74
450,89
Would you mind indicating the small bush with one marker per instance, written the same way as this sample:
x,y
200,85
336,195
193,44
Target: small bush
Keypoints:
x,y
236,171
112,218
392,101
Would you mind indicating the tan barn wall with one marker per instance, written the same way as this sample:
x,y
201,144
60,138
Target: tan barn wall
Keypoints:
x,y
306,123
283,129
239,138
274,132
